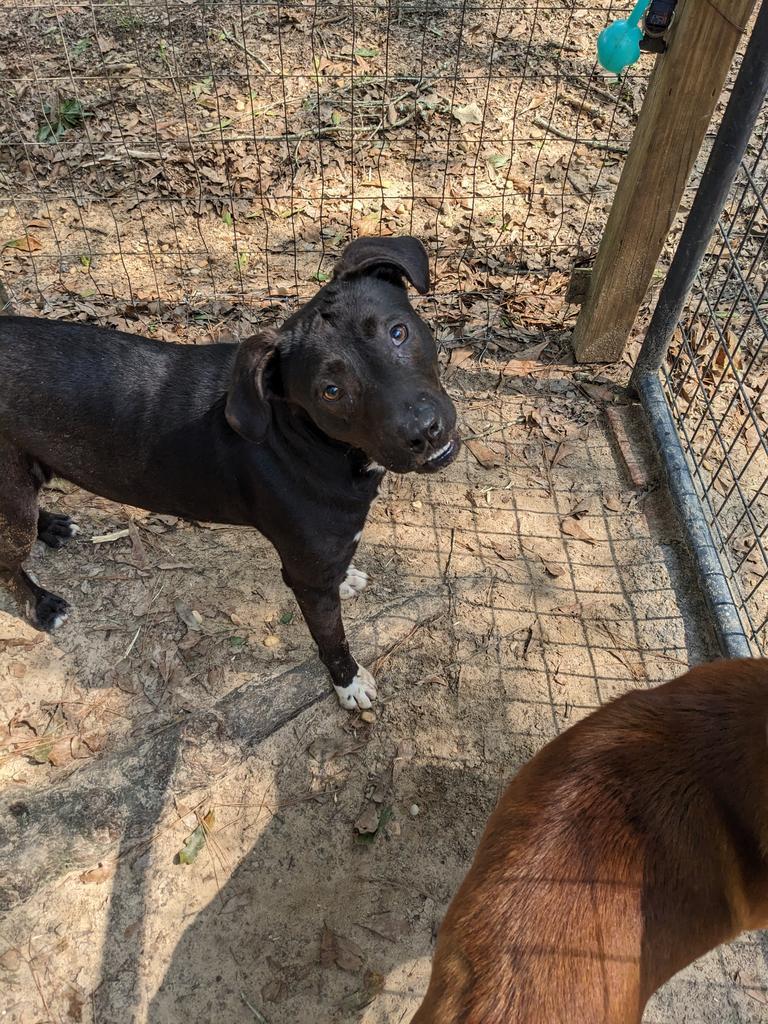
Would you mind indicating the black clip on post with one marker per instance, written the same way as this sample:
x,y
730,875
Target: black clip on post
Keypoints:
x,y
656,23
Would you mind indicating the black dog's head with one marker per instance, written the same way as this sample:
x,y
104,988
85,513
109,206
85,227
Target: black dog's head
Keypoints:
x,y
359,361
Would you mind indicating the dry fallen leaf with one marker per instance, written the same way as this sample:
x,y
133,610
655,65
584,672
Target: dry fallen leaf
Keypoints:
x,y
27,243
487,458
563,451
613,502
325,748
727,358
470,114
571,528
191,618
60,753
551,568
598,392
196,840
507,550
94,876
369,225
137,546
548,429
105,43
459,356
335,949
7,642
10,960
93,742
531,353
583,508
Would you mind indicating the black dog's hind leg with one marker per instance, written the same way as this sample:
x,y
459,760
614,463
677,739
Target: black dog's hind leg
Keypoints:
x,y
18,530
321,607
54,529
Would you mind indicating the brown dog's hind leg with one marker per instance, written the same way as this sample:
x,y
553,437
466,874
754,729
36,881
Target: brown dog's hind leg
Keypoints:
x,y
19,518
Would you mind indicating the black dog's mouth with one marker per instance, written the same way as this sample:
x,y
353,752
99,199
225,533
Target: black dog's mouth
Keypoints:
x,y
443,457
438,460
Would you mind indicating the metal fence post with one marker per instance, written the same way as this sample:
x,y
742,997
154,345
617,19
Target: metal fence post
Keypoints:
x,y
728,150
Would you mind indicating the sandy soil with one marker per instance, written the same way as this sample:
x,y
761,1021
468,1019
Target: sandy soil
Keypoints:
x,y
165,210
489,630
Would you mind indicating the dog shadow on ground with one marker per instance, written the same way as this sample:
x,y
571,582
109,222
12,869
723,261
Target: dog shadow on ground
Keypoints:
x,y
257,944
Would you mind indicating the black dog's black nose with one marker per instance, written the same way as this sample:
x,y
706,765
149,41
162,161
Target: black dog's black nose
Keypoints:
x,y
426,428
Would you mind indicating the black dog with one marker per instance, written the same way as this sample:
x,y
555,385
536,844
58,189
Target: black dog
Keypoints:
x,y
289,432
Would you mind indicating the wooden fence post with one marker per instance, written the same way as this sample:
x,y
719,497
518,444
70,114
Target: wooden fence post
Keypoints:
x,y
685,86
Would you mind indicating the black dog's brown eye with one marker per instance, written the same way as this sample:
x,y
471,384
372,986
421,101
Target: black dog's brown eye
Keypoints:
x,y
332,393
398,333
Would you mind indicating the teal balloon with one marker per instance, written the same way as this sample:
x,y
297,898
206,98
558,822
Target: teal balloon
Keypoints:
x,y
618,46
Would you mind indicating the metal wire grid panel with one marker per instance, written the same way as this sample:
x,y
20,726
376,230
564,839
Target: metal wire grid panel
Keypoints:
x,y
196,155
715,380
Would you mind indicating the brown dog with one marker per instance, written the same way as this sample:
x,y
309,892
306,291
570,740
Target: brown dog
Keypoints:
x,y
628,847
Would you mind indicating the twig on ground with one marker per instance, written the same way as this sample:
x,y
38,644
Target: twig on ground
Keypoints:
x,y
232,38
493,430
635,468
260,1018
385,655
617,99
580,104
608,147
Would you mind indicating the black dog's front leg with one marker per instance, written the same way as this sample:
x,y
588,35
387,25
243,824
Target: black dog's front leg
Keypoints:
x,y
321,607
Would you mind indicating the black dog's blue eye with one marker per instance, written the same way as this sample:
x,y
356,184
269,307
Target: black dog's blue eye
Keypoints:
x,y
398,333
332,393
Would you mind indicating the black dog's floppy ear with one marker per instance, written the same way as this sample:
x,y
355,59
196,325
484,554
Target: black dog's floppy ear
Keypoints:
x,y
247,409
406,255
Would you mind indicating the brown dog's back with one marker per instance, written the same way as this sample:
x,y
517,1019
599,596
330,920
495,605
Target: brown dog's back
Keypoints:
x,y
625,849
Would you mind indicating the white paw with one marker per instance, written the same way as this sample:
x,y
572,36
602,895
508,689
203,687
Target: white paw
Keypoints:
x,y
74,529
354,583
59,620
360,692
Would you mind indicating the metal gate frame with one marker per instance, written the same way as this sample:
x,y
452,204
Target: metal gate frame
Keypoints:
x,y
728,150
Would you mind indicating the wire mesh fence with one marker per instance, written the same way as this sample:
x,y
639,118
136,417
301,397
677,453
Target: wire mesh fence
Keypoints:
x,y
709,340
716,379
186,162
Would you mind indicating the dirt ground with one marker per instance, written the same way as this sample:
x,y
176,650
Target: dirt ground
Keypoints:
x,y
489,628
218,160
213,155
